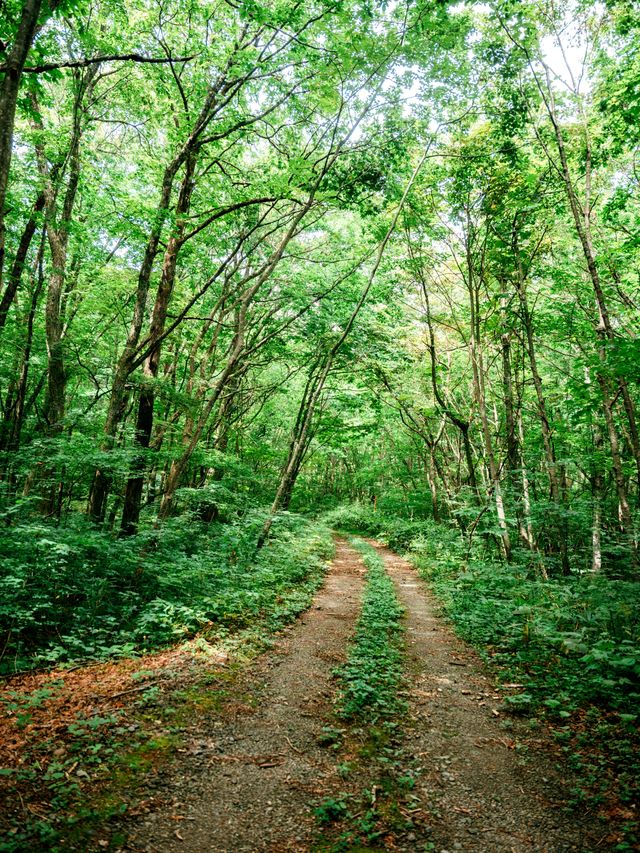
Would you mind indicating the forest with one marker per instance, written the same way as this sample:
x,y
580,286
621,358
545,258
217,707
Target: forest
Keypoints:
x,y
277,270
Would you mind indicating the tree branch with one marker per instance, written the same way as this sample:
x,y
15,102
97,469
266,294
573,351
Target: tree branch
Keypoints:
x,y
93,60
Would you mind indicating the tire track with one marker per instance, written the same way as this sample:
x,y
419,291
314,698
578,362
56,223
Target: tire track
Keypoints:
x,y
264,767
475,792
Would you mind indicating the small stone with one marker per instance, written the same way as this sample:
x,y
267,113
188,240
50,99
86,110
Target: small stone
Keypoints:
x,y
411,836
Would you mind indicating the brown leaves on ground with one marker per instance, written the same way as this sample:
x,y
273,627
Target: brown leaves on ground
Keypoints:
x,y
42,705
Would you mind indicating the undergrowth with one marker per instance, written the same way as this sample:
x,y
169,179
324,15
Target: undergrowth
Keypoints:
x,y
571,641
72,592
369,704
72,781
571,644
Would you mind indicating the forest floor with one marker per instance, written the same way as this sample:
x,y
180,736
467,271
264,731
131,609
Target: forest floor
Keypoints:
x,y
263,763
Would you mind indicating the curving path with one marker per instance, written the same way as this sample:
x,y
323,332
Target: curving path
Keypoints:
x,y
248,784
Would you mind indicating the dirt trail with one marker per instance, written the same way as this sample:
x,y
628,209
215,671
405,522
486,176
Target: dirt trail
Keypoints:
x,y
479,794
248,783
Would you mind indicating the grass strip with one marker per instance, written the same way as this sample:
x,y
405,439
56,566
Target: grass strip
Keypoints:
x,y
372,676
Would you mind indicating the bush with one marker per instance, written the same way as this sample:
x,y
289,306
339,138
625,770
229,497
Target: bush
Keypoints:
x,y
73,592
569,641
398,533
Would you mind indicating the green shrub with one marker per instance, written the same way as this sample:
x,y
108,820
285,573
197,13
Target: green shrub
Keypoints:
x,y
72,592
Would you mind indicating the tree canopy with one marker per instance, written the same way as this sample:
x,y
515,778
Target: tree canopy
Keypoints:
x,y
260,257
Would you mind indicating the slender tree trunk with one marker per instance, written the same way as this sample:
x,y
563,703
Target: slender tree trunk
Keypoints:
x,y
433,485
480,395
9,87
144,420
582,222
459,422
20,260
543,415
492,467
513,461
526,497
299,441
596,497
119,391
616,459
14,421
193,433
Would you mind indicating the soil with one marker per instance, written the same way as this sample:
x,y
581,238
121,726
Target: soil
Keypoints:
x,y
250,779
249,782
483,781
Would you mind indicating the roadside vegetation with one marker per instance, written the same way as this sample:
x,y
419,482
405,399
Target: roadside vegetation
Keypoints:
x,y
568,648
372,676
268,259
76,594
367,732
81,741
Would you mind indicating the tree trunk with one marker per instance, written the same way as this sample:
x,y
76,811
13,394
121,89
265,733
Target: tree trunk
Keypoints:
x,y
20,260
526,498
543,415
596,497
14,419
492,468
479,392
119,391
9,88
459,422
582,222
299,442
144,420
513,460
57,228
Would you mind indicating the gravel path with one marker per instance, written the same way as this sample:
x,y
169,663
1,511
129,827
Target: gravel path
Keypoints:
x,y
478,793
247,784
249,781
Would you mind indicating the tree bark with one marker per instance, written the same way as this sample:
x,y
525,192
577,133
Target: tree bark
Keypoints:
x,y
20,259
9,88
480,395
119,392
582,222
543,415
597,485
14,417
144,420
456,419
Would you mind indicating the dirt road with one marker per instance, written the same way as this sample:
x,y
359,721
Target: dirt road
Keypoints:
x,y
250,782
